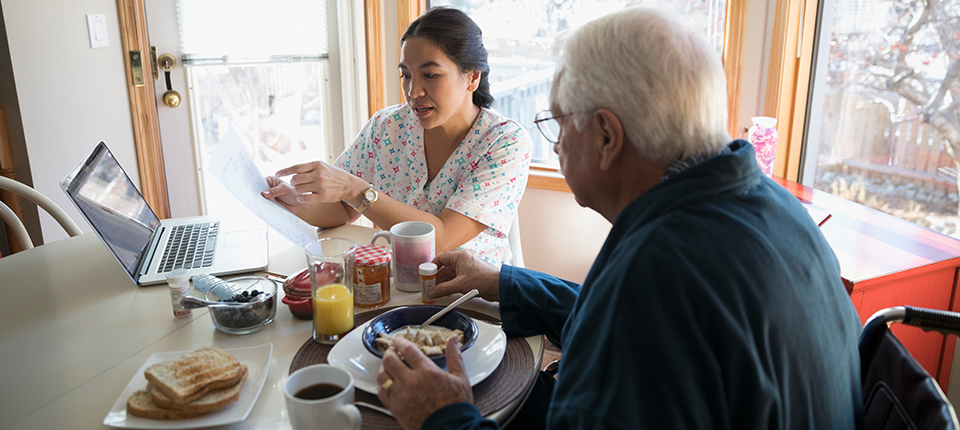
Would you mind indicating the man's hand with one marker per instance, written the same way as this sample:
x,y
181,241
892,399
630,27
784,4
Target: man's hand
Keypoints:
x,y
282,193
461,271
417,391
319,182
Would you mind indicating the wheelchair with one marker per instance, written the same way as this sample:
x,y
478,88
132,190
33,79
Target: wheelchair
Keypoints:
x,y
897,392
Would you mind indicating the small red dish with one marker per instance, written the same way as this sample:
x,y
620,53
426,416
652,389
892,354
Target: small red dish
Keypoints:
x,y
296,290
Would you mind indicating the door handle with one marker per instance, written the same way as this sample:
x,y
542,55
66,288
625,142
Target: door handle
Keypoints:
x,y
167,62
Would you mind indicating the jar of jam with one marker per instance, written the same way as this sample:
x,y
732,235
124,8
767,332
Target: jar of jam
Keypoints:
x,y
371,279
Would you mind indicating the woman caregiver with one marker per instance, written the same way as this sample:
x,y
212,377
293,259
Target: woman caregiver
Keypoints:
x,y
442,157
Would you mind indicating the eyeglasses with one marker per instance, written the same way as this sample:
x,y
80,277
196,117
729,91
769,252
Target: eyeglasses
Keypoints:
x,y
549,126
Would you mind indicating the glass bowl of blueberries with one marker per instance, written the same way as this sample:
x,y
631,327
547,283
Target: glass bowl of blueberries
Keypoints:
x,y
259,298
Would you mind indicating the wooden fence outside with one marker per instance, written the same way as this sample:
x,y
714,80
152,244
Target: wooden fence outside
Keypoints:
x,y
860,135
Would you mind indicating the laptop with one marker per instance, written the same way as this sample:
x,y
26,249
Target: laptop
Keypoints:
x,y
147,247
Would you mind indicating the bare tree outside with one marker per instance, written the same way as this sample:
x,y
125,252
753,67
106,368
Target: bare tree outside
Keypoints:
x,y
891,116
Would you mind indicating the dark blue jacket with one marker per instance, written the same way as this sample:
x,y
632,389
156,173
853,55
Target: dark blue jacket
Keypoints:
x,y
715,303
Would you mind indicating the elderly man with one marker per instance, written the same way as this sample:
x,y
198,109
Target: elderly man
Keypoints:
x,y
715,301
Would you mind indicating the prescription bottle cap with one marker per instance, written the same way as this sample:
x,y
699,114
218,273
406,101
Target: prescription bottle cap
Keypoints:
x,y
428,269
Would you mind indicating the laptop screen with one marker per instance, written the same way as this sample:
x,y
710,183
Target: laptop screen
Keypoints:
x,y
113,206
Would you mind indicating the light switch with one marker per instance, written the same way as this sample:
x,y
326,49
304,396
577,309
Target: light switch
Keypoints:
x,y
97,26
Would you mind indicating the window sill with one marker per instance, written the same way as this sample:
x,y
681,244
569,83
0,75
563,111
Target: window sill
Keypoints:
x,y
543,177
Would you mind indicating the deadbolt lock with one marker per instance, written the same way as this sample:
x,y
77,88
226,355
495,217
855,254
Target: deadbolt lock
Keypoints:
x,y
167,61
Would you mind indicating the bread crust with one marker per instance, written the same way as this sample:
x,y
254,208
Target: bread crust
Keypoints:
x,y
193,375
213,400
201,381
140,404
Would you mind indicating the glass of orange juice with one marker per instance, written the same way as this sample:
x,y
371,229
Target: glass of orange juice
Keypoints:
x,y
330,261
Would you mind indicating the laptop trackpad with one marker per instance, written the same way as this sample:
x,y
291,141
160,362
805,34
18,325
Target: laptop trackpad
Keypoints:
x,y
242,238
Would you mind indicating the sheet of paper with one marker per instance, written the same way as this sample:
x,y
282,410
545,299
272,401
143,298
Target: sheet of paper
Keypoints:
x,y
819,214
232,165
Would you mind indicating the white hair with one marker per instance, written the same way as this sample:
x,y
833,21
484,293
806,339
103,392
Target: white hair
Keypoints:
x,y
659,76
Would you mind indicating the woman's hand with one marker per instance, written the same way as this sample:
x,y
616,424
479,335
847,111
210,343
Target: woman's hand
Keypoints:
x,y
319,182
282,193
419,388
461,271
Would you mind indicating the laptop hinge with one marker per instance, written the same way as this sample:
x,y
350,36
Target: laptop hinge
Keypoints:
x,y
148,257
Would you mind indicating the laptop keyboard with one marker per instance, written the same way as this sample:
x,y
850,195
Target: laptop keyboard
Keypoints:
x,y
190,246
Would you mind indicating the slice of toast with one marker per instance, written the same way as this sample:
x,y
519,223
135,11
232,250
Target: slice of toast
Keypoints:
x,y
194,374
140,404
211,401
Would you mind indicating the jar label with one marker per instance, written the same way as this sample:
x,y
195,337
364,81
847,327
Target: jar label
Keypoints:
x,y
367,294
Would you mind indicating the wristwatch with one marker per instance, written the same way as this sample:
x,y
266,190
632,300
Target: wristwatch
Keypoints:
x,y
369,196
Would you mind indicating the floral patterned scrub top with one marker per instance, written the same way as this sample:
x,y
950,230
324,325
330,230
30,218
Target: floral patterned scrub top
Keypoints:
x,y
484,179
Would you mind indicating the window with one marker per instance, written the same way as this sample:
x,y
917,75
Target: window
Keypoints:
x,y
276,108
883,124
262,71
518,36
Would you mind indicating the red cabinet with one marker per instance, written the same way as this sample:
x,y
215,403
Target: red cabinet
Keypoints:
x,y
886,261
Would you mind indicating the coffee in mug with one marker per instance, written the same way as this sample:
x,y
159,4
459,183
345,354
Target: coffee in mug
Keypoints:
x,y
321,395
318,391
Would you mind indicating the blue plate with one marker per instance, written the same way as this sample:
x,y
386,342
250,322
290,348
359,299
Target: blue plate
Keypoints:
x,y
391,321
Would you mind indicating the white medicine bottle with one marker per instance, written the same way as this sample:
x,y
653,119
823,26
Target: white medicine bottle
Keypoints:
x,y
428,280
179,282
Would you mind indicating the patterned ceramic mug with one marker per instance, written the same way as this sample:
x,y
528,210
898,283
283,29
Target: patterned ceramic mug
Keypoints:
x,y
413,242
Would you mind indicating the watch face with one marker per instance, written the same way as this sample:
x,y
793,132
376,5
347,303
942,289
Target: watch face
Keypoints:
x,y
370,195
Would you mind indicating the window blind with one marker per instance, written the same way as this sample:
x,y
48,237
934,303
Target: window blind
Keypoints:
x,y
237,31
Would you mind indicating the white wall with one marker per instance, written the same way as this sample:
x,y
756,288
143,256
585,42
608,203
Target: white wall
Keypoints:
x,y
70,96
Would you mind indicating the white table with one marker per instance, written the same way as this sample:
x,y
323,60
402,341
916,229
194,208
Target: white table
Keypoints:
x,y
74,329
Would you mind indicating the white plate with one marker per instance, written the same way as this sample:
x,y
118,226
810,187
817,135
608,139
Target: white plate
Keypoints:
x,y
257,360
481,359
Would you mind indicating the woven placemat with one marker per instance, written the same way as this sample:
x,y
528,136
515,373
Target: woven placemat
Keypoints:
x,y
504,385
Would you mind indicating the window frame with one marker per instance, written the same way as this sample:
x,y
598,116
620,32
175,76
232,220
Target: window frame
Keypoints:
x,y
374,13
143,109
819,53
788,90
143,102
545,176
542,176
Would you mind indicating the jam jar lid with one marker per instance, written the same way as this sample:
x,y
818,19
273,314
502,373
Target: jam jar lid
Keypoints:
x,y
298,284
372,255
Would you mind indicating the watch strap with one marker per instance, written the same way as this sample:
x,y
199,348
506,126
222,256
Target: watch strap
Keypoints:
x,y
365,203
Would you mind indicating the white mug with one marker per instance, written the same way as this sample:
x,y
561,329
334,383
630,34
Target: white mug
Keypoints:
x,y
413,242
335,411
